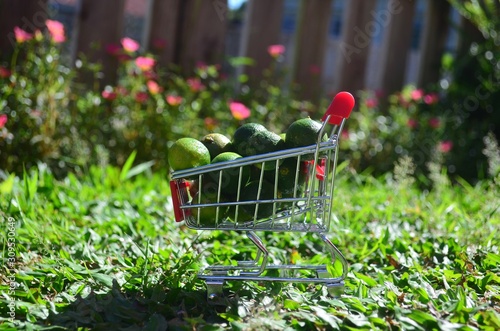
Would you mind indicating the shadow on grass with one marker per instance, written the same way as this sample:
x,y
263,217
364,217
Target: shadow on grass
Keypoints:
x,y
154,308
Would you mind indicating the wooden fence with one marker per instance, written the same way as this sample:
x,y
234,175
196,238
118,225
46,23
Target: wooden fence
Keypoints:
x,y
195,31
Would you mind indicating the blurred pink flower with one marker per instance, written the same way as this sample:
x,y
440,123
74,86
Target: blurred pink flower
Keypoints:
x,y
150,75
153,87
276,50
109,94
210,123
412,123
345,134
371,103
121,90
141,97
145,63
201,65
416,95
4,72
434,123
129,45
21,35
314,69
431,98
113,49
159,43
239,110
173,100
56,31
3,120
195,84
35,113
445,146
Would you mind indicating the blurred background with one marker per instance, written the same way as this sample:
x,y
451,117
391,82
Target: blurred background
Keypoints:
x,y
137,74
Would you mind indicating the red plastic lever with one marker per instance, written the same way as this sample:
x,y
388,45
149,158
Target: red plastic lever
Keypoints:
x,y
340,108
178,191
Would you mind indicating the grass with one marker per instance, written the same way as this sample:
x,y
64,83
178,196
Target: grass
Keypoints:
x,y
102,252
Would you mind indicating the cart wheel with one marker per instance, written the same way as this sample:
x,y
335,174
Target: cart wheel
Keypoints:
x,y
335,290
215,295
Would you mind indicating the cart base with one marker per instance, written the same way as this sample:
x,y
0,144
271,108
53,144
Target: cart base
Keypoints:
x,y
215,281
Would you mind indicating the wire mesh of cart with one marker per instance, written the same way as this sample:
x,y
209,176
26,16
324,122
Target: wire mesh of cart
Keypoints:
x,y
291,190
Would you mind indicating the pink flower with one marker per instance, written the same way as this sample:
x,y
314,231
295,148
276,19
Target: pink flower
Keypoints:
x,y
4,72
210,123
159,43
345,134
239,110
416,95
371,103
3,120
173,100
200,65
195,84
130,45
431,98
56,31
113,49
109,94
276,50
314,69
141,97
412,123
153,87
145,63
150,75
35,113
21,35
434,123
445,146
121,90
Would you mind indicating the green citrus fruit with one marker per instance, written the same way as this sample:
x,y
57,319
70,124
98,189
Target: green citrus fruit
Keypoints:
x,y
303,132
216,143
229,178
209,216
251,192
187,153
242,134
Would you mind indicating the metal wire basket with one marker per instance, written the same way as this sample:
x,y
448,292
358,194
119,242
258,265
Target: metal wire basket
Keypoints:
x,y
294,193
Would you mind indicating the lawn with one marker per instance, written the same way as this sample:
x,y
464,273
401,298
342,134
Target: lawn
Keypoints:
x,y
102,252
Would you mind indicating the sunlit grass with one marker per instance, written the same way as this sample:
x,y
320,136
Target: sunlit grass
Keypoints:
x,y
103,251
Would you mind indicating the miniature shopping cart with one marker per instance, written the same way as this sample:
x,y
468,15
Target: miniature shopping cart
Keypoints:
x,y
302,203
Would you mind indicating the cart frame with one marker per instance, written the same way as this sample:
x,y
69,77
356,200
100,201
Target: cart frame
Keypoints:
x,y
306,207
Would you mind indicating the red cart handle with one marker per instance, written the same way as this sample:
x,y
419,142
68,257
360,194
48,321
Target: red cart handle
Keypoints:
x,y
340,108
178,189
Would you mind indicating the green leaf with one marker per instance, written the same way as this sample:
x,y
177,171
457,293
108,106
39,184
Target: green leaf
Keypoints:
x,y
422,318
326,317
291,304
367,279
139,169
241,61
127,166
7,185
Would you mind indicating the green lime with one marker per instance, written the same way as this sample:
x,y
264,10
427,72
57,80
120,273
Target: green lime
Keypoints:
x,y
251,193
242,134
229,178
209,215
303,132
216,143
187,153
